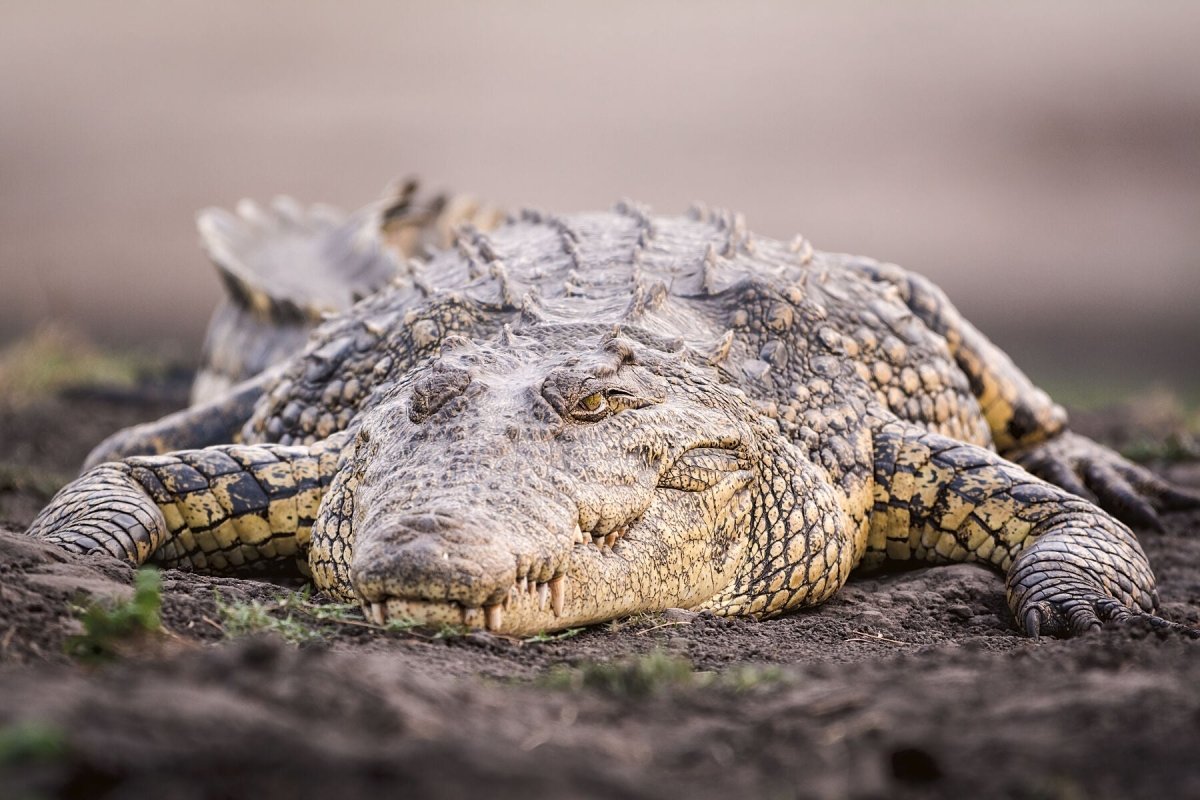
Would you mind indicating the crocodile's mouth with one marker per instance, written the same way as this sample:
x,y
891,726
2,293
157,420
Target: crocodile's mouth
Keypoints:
x,y
521,612
656,561
529,606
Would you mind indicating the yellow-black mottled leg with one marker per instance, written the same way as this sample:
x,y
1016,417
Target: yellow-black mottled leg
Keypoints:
x,y
219,509
1069,566
211,423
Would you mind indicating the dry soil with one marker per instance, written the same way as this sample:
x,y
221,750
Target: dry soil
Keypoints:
x,y
911,683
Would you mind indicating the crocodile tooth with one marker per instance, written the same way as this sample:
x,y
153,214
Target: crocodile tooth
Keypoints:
x,y
495,616
378,613
524,585
580,536
611,539
543,596
557,594
472,617
598,540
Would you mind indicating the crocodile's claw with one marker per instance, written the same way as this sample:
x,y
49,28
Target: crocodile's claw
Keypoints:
x,y
1130,492
1077,616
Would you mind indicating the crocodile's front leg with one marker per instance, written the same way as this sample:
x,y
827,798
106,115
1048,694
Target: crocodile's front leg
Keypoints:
x,y
1069,566
219,509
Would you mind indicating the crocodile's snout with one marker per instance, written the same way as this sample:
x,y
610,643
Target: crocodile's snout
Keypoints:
x,y
461,568
434,556
456,520
447,557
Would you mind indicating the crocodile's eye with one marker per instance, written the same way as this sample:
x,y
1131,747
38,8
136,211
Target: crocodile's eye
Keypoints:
x,y
592,398
595,406
592,402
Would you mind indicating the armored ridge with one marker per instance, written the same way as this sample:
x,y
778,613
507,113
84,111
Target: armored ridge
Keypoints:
x,y
571,419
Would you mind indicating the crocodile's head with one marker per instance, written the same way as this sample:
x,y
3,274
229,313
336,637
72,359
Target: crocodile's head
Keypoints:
x,y
527,487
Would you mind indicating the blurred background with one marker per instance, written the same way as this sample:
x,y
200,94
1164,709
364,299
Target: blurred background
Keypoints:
x,y
1041,162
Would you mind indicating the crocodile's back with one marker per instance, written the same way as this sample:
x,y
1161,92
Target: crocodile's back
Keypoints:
x,y
802,334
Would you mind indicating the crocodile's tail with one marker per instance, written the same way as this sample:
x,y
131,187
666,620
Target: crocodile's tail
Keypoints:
x,y
287,263
285,266
411,226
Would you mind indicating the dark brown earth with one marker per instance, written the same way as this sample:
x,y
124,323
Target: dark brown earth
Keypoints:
x,y
907,684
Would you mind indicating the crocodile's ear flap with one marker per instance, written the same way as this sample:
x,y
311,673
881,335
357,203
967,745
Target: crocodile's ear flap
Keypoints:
x,y
287,263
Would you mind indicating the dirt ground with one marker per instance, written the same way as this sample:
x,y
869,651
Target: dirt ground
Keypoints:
x,y
908,684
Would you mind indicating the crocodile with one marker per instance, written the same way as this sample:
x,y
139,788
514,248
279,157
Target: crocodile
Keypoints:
x,y
575,418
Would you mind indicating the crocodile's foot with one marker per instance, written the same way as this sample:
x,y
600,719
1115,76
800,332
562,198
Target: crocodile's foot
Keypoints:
x,y
1058,586
1078,615
1130,492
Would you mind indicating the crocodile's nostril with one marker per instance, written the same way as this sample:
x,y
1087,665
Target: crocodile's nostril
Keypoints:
x,y
433,553
429,522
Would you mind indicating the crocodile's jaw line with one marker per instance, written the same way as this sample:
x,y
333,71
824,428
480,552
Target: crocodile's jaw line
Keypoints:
x,y
600,583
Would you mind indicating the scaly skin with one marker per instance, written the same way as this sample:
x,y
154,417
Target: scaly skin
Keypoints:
x,y
572,419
